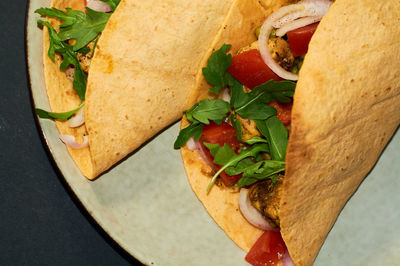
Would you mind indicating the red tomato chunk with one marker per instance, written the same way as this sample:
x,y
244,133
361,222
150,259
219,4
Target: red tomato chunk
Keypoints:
x,y
268,249
300,38
221,134
250,70
284,111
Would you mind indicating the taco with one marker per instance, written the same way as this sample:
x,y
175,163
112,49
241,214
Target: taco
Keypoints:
x,y
145,69
345,110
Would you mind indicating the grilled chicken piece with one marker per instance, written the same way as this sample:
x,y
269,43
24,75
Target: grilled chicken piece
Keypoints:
x,y
281,53
85,59
265,197
249,128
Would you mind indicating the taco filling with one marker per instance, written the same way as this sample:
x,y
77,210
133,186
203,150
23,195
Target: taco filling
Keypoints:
x,y
242,133
72,45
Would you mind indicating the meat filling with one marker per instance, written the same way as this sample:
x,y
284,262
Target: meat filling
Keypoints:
x,y
265,197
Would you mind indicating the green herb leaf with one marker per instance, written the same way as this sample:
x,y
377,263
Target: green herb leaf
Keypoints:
x,y
222,155
276,135
260,171
237,125
69,58
185,134
206,110
218,64
255,140
253,105
78,25
227,159
112,3
61,116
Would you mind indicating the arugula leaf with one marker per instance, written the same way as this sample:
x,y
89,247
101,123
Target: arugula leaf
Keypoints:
x,y
112,3
69,58
62,116
78,25
276,135
207,110
255,140
57,13
215,71
253,105
238,127
227,159
185,134
222,155
259,171
276,90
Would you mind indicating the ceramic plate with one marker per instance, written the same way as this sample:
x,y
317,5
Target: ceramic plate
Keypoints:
x,y
147,206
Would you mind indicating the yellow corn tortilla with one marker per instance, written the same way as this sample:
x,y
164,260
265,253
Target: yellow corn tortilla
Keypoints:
x,y
145,72
345,111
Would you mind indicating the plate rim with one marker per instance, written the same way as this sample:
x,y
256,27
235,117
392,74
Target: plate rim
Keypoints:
x,y
84,210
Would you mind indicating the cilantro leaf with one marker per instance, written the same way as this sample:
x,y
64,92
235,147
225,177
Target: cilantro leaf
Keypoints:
x,y
112,3
62,116
69,58
230,159
185,134
276,135
207,110
78,25
259,171
216,68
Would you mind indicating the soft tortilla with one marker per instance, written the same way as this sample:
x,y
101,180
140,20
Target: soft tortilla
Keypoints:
x,y
345,111
145,72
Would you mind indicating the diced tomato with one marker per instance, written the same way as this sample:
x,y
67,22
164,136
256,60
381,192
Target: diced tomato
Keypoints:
x,y
250,70
300,38
221,134
268,249
284,111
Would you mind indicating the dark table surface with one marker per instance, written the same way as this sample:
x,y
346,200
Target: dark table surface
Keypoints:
x,y
41,223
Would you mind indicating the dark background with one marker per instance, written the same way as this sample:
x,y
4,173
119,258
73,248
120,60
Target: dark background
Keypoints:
x,y
41,222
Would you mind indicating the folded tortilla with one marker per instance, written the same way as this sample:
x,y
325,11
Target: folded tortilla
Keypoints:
x,y
145,72
346,109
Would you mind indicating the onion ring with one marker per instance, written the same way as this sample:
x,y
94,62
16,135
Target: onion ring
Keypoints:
x,y
191,144
78,119
287,260
251,214
289,18
98,6
71,142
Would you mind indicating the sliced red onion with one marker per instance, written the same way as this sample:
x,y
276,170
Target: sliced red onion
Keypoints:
x,y
298,23
203,155
225,95
78,119
98,6
191,144
289,18
310,8
287,260
251,214
71,142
